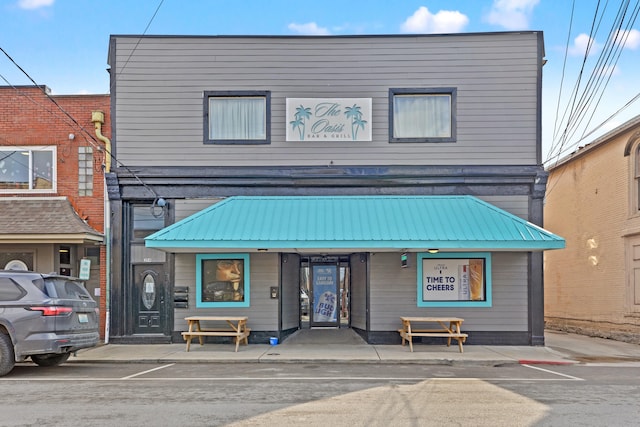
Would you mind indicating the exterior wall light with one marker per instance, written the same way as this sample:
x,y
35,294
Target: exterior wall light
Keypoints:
x,y
160,203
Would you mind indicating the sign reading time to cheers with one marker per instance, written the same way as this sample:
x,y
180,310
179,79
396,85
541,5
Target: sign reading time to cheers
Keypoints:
x,y
328,119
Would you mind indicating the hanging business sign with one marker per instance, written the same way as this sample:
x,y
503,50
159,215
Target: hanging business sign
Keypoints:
x,y
328,119
85,269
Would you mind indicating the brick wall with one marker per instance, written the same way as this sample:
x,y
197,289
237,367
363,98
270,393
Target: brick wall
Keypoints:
x,y
28,117
588,203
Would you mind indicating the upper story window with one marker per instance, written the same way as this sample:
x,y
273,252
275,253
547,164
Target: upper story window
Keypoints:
x,y
422,115
237,117
27,169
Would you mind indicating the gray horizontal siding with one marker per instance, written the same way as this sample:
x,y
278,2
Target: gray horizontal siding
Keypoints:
x,y
263,312
159,88
394,294
187,207
516,205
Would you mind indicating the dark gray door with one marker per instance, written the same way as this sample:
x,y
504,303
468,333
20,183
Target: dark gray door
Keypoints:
x,y
149,299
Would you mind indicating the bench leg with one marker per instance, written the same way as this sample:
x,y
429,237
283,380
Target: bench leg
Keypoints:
x,y
188,342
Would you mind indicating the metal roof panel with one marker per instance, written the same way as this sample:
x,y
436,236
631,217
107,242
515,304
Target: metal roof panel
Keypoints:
x,y
383,222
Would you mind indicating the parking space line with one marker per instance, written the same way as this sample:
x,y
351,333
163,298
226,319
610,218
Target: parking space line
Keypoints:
x,y
147,371
571,377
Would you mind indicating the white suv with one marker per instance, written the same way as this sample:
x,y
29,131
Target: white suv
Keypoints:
x,y
45,317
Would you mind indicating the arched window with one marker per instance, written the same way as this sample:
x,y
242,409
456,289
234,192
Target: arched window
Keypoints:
x,y
632,150
636,177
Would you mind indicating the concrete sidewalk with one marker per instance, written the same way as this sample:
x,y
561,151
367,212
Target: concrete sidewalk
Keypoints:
x,y
560,348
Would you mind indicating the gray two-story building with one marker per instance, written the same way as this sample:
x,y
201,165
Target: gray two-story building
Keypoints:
x,y
335,182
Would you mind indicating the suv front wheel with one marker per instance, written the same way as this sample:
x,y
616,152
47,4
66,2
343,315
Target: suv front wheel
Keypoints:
x,y
7,358
50,359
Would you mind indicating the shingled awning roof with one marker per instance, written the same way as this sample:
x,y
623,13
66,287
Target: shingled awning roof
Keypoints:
x,y
43,220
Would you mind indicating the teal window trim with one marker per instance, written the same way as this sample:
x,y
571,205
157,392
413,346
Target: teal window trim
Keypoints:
x,y
246,274
453,303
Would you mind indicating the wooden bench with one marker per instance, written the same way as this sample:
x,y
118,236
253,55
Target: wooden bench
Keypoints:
x,y
449,328
237,328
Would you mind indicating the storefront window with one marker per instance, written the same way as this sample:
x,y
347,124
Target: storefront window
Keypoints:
x,y
222,280
454,279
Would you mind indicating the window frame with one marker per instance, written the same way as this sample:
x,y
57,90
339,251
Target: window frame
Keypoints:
x,y
487,302
451,91
636,179
246,274
31,149
85,171
239,94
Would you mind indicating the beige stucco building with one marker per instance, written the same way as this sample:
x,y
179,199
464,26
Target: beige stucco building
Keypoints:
x,y
593,201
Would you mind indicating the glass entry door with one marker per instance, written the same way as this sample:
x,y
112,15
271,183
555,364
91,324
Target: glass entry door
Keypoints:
x,y
325,285
324,290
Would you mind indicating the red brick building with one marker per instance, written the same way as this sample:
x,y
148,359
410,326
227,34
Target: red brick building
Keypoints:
x,y
52,165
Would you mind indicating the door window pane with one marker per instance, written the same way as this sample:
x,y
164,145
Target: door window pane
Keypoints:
x,y
145,222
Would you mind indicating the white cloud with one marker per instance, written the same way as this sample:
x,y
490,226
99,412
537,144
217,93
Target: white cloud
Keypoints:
x,y
581,44
309,29
511,14
445,21
630,38
34,4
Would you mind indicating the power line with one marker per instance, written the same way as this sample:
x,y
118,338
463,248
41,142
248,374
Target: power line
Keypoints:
x,y
583,103
137,43
95,143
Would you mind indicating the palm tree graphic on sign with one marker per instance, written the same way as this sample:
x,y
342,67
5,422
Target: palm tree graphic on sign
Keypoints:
x,y
302,113
356,120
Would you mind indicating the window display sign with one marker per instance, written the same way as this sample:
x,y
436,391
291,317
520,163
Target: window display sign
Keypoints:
x,y
222,280
454,279
325,301
328,119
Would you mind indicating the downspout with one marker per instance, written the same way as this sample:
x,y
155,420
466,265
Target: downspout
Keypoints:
x,y
97,117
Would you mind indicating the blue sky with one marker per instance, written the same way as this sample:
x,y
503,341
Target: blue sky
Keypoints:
x,y
63,43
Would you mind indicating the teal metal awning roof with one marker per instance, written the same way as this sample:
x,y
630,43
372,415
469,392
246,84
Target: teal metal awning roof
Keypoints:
x,y
352,223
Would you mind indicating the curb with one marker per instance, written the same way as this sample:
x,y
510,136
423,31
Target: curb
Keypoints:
x,y
547,362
